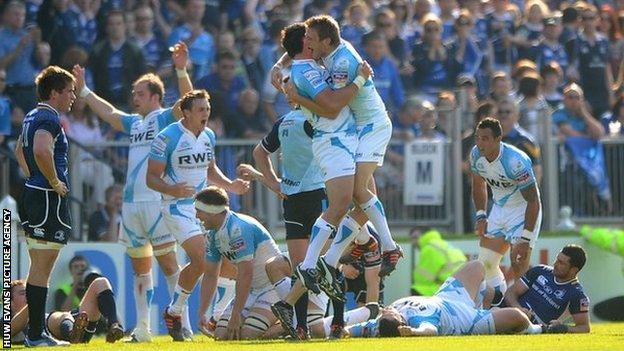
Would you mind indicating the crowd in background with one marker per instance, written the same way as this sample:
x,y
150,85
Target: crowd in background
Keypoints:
x,y
522,61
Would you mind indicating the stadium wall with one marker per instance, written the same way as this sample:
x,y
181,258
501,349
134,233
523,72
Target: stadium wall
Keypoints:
x,y
602,277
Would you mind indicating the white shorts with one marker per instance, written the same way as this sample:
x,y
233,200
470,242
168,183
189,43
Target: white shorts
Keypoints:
x,y
143,222
459,315
373,139
181,221
335,153
508,223
258,298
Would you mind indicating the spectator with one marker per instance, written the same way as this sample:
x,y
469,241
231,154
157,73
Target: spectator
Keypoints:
x,y
534,109
501,86
10,115
531,29
226,41
429,129
592,62
500,29
153,47
250,42
68,295
387,80
385,23
17,47
610,27
614,122
517,136
104,223
201,44
224,82
464,47
446,106
448,15
355,23
479,28
467,96
58,26
549,48
407,125
571,21
574,119
83,23
552,76
247,122
274,102
434,68
118,62
272,51
405,23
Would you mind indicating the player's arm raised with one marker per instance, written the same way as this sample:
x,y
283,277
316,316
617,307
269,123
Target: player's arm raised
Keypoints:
x,y
179,56
21,160
243,287
216,177
208,287
276,70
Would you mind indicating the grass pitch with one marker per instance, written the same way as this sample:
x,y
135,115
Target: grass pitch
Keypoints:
x,y
604,336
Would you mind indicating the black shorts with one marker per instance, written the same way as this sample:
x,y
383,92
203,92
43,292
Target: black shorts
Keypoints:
x,y
301,211
358,287
45,215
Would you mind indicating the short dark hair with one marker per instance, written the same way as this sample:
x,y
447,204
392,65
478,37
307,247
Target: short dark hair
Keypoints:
x,y
52,78
326,27
372,36
551,67
76,259
213,195
292,39
186,101
109,191
388,327
155,85
276,27
577,255
226,55
492,124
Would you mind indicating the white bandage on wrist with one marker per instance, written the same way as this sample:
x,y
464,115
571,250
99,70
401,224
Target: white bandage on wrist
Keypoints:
x,y
181,73
212,209
527,235
359,81
84,92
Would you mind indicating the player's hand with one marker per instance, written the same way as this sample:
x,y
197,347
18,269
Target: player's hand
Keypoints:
x,y
405,330
277,76
181,190
292,94
276,187
239,186
481,227
349,271
365,70
79,75
234,327
520,251
247,172
179,56
59,187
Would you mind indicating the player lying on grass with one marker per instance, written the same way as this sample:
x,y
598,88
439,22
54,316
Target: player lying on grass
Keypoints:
x,y
77,326
544,293
456,309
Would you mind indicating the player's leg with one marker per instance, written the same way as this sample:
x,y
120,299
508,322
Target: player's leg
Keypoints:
x,y
61,325
471,276
510,320
98,301
41,263
257,322
352,317
492,248
195,248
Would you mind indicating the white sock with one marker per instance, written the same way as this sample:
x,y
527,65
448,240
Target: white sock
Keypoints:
x,y
533,329
481,294
283,287
321,231
357,315
226,289
498,283
172,281
346,230
186,320
375,211
143,294
362,237
178,303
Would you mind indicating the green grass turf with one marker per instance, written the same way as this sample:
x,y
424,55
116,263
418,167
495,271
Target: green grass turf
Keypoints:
x,y
604,336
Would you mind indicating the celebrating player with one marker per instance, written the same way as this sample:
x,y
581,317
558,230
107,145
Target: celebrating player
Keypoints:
x,y
544,293
247,244
44,209
181,160
144,232
516,215
454,310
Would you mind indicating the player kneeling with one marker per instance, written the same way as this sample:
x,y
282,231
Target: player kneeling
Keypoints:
x,y
454,310
76,326
248,245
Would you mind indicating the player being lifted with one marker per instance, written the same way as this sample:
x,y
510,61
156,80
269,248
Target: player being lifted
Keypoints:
x,y
516,214
41,152
143,230
181,161
374,130
248,245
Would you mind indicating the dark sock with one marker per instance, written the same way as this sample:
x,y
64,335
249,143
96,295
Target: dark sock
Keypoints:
x,y
65,328
90,331
301,311
106,305
338,318
36,298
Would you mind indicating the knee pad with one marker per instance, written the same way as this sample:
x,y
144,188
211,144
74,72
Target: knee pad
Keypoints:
x,y
140,252
223,322
165,250
314,318
256,322
491,261
67,325
374,310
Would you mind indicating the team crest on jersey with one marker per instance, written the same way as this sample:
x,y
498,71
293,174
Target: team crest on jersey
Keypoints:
x,y
314,77
559,294
542,280
340,71
237,244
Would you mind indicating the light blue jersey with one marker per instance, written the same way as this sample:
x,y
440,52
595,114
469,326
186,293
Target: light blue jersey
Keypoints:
x,y
186,157
367,105
142,132
311,79
242,238
507,175
300,170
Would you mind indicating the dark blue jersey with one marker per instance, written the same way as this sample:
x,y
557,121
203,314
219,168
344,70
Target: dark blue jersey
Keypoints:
x,y
548,299
44,117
